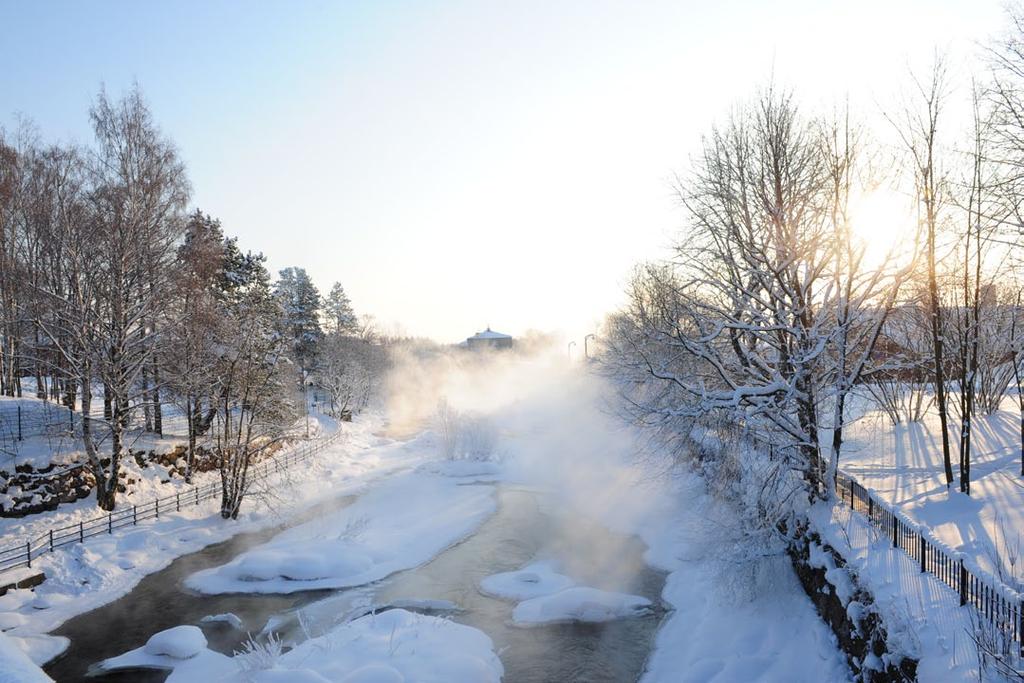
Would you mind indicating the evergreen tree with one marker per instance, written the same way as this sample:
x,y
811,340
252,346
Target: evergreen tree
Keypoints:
x,y
340,318
300,302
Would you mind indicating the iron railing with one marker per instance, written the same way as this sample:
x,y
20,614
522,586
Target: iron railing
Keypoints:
x,y
995,602
22,553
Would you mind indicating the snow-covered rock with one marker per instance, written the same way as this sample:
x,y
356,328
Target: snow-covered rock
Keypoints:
x,y
180,642
227,618
579,604
395,646
533,581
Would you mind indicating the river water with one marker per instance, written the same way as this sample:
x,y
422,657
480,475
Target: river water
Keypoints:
x,y
527,526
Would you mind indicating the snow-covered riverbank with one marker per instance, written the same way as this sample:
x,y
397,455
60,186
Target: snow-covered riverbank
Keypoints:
x,y
731,615
82,577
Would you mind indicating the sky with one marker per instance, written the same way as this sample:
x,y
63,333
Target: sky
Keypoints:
x,y
460,164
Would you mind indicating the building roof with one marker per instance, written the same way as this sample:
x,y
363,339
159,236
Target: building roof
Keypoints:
x,y
489,334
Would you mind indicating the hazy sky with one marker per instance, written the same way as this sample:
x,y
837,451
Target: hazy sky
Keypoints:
x,y
457,164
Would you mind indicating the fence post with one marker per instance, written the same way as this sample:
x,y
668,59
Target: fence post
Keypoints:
x,y
158,508
1020,626
28,553
895,530
871,508
19,424
135,515
177,502
81,533
110,522
922,551
196,489
963,583
51,540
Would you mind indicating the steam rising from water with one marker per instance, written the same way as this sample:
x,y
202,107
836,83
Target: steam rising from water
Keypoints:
x,y
554,432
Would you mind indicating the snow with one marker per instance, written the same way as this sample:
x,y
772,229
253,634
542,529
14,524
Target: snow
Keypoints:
x,y
582,604
395,645
228,618
397,525
482,470
923,615
754,621
902,465
140,659
180,642
490,334
81,577
15,665
533,581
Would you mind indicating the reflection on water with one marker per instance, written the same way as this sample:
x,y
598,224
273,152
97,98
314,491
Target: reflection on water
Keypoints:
x,y
518,533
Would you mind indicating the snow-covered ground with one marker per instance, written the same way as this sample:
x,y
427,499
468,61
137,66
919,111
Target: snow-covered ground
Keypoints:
x,y
903,465
52,434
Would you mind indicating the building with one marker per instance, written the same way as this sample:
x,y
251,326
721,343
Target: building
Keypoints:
x,y
489,339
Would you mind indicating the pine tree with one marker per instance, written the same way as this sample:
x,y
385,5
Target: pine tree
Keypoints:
x,y
340,318
300,302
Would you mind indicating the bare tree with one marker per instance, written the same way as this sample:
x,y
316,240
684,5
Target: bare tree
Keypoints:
x,y
920,132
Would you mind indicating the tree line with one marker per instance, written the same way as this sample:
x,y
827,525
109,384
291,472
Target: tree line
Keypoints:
x,y
112,290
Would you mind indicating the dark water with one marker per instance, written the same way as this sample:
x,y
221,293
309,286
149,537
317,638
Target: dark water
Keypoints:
x,y
522,530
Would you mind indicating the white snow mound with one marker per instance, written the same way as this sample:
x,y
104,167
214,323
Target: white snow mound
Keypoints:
x,y
532,581
579,604
15,665
365,542
180,642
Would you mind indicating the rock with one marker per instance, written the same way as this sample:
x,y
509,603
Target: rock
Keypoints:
x,y
180,642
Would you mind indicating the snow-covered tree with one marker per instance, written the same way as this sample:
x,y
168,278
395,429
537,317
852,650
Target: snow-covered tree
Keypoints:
x,y
339,317
256,402
300,305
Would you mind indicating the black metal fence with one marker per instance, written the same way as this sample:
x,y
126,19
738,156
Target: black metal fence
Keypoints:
x,y
21,554
995,602
24,421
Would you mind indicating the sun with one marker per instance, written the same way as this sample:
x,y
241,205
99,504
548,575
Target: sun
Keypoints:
x,y
883,221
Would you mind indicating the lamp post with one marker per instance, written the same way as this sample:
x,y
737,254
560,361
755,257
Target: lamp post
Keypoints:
x,y
571,344
586,346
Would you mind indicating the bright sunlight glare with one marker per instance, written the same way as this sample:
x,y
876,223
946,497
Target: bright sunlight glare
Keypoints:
x,y
883,220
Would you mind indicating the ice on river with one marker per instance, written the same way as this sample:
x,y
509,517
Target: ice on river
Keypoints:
x,y
402,523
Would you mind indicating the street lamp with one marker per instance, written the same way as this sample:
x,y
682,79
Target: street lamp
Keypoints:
x,y
586,346
571,344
